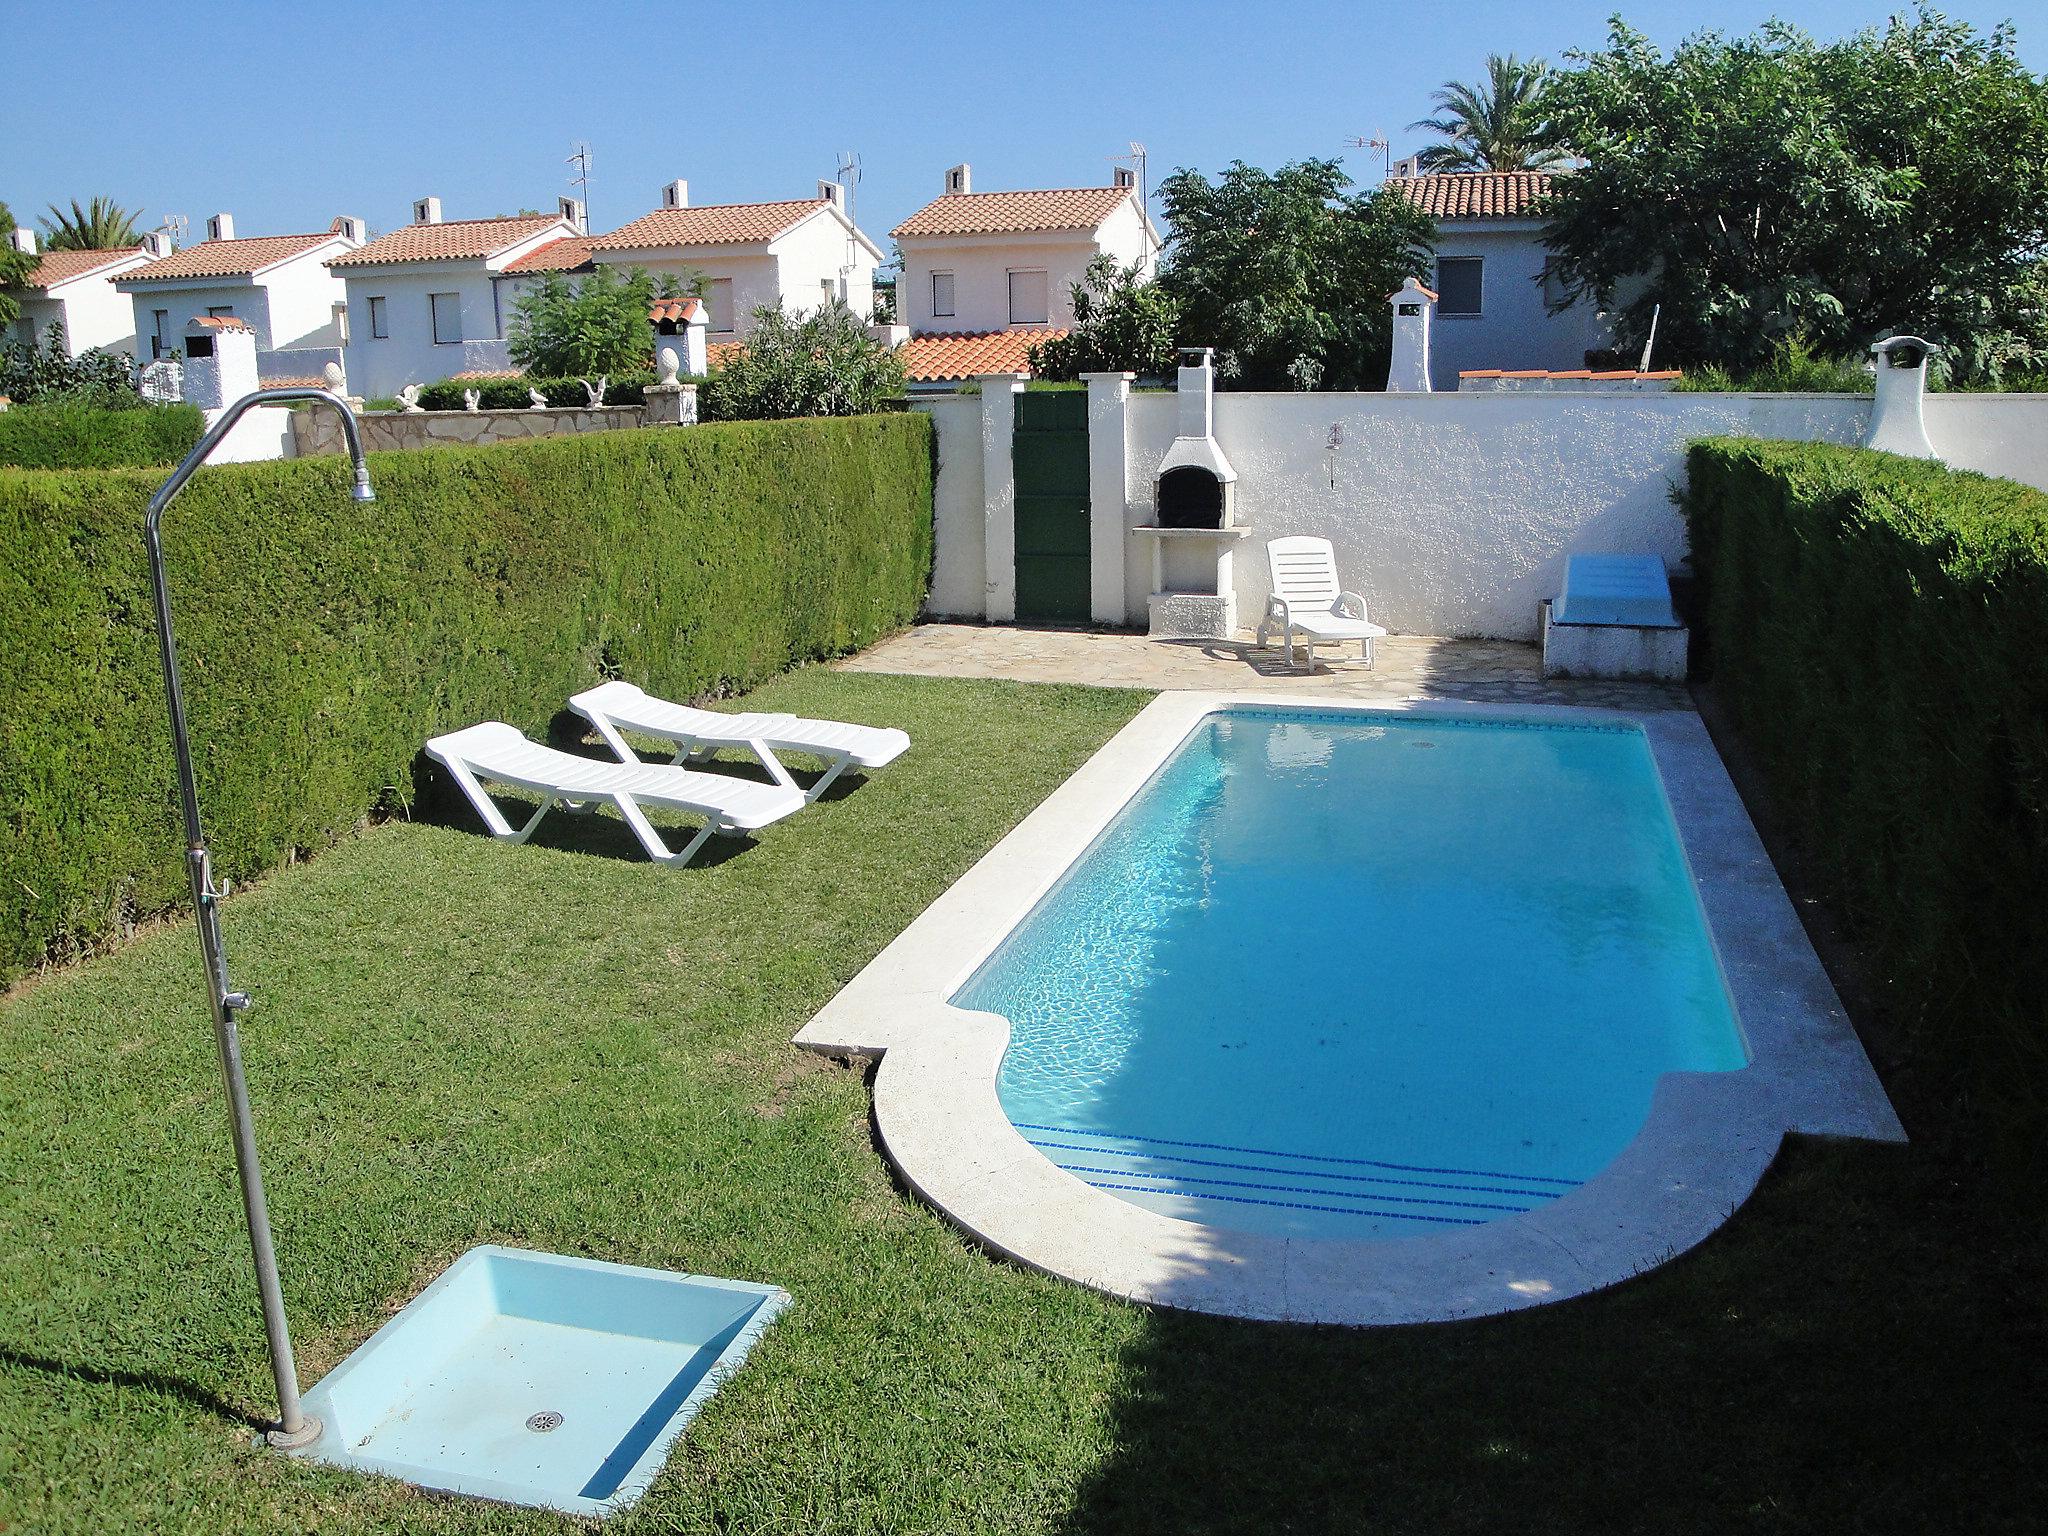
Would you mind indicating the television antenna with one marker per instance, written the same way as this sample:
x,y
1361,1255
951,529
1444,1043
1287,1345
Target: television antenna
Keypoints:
x,y
582,159
1384,145
175,227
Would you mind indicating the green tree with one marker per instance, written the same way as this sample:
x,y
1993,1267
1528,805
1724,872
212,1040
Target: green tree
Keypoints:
x,y
15,267
818,363
1496,125
1121,322
572,330
101,225
1765,187
1287,276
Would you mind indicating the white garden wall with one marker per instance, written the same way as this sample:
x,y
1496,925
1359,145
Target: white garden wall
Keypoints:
x,y
1452,513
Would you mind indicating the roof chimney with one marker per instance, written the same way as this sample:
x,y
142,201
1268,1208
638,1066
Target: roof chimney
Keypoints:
x,y
832,192
1123,176
960,179
350,228
23,240
156,244
676,195
571,209
427,211
221,227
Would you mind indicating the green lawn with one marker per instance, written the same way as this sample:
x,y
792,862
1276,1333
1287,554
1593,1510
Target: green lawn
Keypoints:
x,y
564,1047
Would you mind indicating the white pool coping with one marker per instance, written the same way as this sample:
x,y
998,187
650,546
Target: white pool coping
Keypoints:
x,y
1708,1138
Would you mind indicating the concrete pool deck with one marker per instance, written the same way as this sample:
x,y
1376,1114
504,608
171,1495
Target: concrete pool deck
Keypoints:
x,y
1707,1140
1406,667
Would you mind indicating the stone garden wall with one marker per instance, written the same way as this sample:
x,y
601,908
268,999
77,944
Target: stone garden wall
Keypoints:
x,y
316,429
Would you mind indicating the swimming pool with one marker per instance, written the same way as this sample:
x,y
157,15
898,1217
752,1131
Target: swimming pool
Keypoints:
x,y
1504,947
1338,976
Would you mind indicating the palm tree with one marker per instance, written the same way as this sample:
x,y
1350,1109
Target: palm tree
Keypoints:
x,y
102,225
1494,126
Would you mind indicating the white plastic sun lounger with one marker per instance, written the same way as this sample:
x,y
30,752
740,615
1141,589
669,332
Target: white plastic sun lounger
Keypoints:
x,y
617,707
1308,601
497,752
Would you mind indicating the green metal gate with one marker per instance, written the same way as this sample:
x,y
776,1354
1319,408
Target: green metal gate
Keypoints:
x,y
1049,454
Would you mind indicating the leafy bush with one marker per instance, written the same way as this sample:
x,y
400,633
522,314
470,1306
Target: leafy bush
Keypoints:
x,y
324,640
32,375
1877,628
1121,324
1793,367
510,394
597,324
820,363
75,434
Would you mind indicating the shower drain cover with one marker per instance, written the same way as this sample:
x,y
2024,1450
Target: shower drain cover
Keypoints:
x,y
547,1419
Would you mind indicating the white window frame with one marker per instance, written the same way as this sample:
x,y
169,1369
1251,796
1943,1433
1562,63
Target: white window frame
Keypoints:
x,y
434,318
220,311
1045,285
723,320
952,308
1478,308
160,320
380,318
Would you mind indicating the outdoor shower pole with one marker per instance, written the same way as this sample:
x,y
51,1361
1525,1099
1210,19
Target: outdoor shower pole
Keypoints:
x,y
294,1428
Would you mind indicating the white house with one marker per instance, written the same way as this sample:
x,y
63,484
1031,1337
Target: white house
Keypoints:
x,y
432,299
278,283
792,255
1493,281
977,262
75,290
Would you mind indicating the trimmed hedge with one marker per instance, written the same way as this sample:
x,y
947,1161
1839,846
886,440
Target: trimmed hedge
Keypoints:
x,y
1879,634
324,640
510,394
65,435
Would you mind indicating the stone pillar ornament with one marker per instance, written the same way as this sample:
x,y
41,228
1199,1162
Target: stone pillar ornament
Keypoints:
x,y
1897,421
1408,371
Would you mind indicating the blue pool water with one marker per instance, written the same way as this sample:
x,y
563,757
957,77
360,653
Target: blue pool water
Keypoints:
x,y
1350,975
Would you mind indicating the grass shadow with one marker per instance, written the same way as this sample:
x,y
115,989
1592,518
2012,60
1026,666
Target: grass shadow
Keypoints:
x,y
141,1381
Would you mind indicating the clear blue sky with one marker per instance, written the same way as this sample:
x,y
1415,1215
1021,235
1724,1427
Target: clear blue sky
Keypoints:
x,y
289,114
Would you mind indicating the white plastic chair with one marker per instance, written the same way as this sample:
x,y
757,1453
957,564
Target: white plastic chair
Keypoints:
x,y
615,707
1308,601
499,753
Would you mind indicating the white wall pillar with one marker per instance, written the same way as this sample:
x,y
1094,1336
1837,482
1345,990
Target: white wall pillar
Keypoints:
x,y
1897,420
1408,372
999,392
1108,494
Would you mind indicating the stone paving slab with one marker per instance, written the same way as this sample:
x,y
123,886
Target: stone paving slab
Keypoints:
x,y
1406,666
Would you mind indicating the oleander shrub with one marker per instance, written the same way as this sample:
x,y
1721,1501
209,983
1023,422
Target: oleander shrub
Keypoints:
x,y
324,640
74,434
509,394
1878,633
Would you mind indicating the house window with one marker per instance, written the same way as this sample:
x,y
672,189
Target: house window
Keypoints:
x,y
379,327
718,301
160,340
1458,284
341,323
447,311
827,292
942,295
1028,298
219,311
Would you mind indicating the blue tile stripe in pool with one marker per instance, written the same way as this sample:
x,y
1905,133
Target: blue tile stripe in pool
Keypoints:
x,y
1398,1191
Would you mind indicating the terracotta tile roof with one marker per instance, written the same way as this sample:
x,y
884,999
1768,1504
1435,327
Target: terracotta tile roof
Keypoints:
x,y
54,267
571,253
220,323
471,375
673,309
964,354
713,224
1013,213
718,353
1474,194
227,258
452,240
